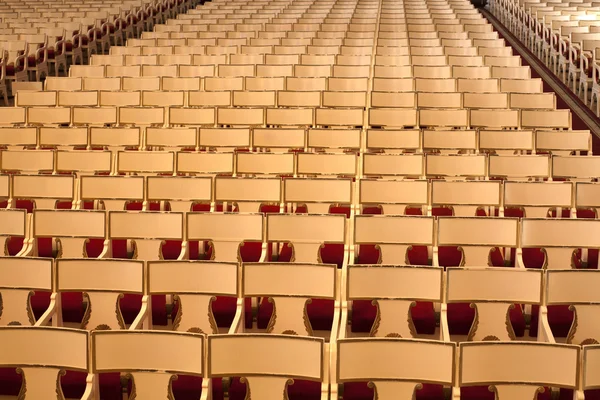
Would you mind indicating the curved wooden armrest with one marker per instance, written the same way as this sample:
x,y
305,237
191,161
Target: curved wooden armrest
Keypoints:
x,y
444,330
184,254
263,253
455,393
89,387
105,249
49,313
144,311
544,332
238,323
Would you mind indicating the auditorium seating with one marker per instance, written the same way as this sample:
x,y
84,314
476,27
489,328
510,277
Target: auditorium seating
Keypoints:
x,y
314,199
564,35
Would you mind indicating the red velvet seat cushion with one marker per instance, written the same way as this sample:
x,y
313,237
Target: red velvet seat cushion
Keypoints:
x,y
73,384
589,394
10,382
187,387
363,316
483,393
110,386
360,391
560,319
300,390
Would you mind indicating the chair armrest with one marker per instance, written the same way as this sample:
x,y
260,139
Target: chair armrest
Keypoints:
x,y
206,389
519,263
144,311
544,331
105,249
239,322
596,70
342,330
444,330
330,357
263,252
89,387
49,313
184,254
455,393
436,258
27,249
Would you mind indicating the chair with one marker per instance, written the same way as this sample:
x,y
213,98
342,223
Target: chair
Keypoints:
x,y
22,278
493,294
225,233
248,194
585,198
142,356
147,232
557,238
572,288
393,291
42,356
286,290
266,362
477,238
519,167
456,166
393,196
533,365
396,368
194,289
537,199
317,195
45,192
573,143
466,198
575,167
307,235
181,192
70,230
393,237
111,193
103,283
590,357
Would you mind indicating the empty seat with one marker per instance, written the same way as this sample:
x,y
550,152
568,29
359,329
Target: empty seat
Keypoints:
x,y
42,356
530,363
142,355
493,294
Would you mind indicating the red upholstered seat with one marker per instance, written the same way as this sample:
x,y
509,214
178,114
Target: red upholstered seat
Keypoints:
x,y
483,393
360,391
560,319
300,390
187,387
589,394
10,382
110,386
363,316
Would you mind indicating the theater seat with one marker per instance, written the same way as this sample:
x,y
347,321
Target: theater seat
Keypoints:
x,y
361,391
300,390
187,387
364,313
